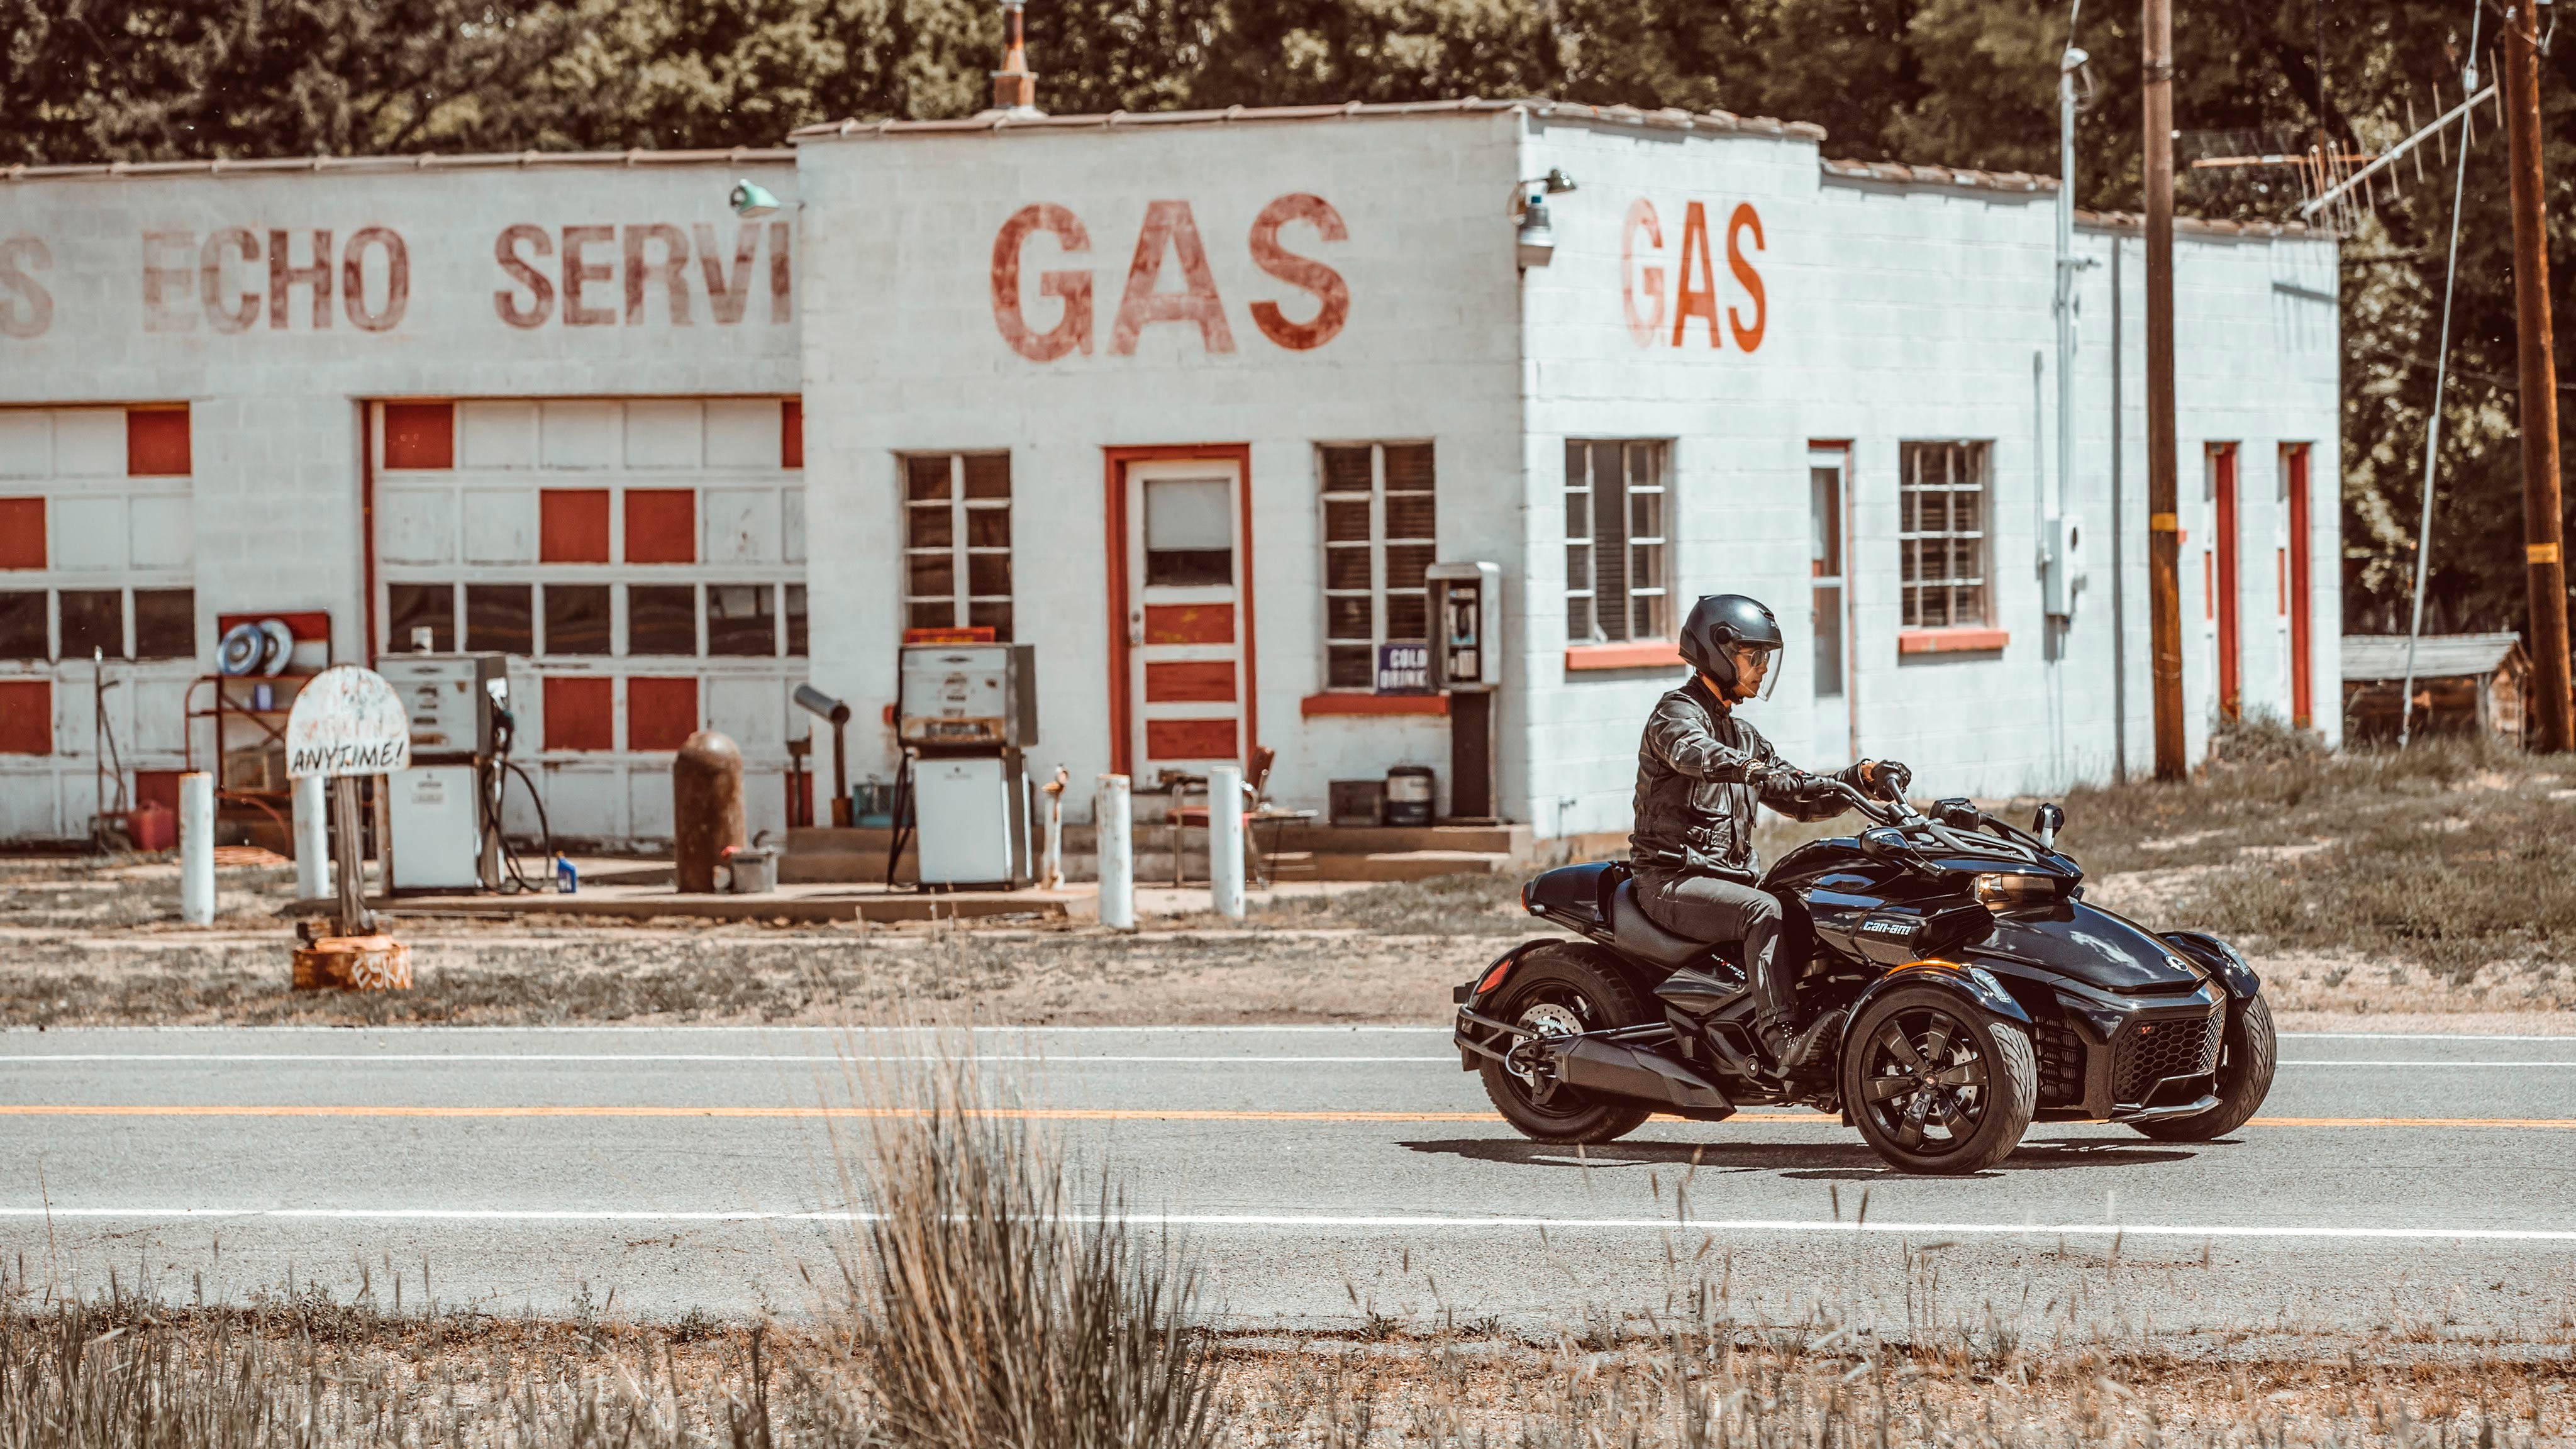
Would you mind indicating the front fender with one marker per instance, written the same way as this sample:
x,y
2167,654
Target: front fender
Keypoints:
x,y
1973,985
2221,959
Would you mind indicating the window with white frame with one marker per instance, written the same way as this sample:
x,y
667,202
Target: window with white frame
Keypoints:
x,y
957,542
1617,577
1380,515
1942,517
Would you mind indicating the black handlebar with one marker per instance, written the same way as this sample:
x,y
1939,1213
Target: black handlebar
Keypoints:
x,y
1905,817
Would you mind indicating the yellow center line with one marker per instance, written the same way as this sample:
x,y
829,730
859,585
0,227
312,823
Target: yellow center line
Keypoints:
x,y
1045,1114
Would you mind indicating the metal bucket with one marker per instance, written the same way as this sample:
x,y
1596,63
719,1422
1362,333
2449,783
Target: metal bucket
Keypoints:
x,y
754,870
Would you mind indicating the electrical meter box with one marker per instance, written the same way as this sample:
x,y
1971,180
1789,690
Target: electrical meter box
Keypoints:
x,y
1467,613
973,698
2062,572
450,698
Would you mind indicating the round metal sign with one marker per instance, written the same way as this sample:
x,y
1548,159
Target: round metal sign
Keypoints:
x,y
347,721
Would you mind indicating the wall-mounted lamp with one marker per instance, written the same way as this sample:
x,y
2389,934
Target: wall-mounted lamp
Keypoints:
x,y
751,200
1536,245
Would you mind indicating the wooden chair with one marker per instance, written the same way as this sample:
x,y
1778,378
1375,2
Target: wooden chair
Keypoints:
x,y
1183,815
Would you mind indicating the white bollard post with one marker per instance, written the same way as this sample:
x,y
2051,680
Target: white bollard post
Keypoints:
x,y
1115,849
1225,840
197,848
312,840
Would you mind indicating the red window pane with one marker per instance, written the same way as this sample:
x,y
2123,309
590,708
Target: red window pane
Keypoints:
x,y
661,714
572,525
581,714
661,525
791,433
26,717
22,533
156,442
420,435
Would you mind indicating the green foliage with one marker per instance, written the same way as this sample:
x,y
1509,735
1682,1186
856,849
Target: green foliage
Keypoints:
x,y
1962,82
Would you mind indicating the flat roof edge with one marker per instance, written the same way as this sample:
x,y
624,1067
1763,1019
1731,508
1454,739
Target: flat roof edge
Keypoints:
x,y
1001,122
474,161
2025,185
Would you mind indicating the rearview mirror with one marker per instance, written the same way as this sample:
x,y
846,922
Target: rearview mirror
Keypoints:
x,y
2046,821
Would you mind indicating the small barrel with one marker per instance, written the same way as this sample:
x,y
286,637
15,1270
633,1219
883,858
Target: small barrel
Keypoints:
x,y
706,808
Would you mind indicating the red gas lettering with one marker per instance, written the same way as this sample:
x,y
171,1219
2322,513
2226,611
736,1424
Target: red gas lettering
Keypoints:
x,y
726,295
1741,220
578,273
1332,294
1169,226
166,279
239,312
541,292
1647,327
1072,331
353,279
26,308
1694,300
282,276
672,269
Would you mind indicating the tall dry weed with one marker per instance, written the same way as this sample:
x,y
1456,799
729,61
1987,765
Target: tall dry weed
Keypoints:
x,y
991,1311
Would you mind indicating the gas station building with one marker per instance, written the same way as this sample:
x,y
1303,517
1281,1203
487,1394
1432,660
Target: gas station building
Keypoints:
x,y
1191,403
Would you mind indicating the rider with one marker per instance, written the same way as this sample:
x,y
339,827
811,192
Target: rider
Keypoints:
x,y
1700,772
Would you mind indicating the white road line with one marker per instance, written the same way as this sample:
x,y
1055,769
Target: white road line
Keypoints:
x,y
1450,1058
1345,1221
2412,1062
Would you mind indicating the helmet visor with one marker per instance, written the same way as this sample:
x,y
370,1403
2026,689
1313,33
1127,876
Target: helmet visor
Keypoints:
x,y
1755,676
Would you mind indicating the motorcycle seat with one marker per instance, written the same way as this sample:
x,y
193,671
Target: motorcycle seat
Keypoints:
x,y
1636,933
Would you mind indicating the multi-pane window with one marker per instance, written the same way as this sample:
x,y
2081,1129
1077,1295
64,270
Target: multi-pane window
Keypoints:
x,y
1380,517
1617,584
1941,533
957,542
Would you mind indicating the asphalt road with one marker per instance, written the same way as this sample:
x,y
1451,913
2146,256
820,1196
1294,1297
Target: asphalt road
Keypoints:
x,y
1319,1173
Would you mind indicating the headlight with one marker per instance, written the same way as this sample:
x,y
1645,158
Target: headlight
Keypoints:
x,y
2002,892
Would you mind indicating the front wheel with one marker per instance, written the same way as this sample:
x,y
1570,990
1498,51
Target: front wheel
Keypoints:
x,y
1560,991
2245,1065
1936,1085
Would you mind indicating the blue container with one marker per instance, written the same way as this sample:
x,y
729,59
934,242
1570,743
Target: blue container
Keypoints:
x,y
567,879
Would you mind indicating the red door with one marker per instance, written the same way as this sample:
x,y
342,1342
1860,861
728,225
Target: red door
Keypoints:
x,y
2222,483
2294,475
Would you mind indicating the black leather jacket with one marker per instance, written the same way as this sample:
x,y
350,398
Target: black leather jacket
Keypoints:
x,y
1700,772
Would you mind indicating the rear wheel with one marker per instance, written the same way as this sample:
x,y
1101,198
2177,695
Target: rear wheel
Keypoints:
x,y
2244,1079
1559,991
1936,1085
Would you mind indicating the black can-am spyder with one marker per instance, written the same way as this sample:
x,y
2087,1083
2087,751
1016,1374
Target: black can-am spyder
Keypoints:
x,y
1958,988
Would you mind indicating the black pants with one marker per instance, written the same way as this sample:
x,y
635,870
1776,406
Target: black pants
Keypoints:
x,y
1712,908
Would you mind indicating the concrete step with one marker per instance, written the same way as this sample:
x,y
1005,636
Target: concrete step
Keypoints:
x,y
1395,865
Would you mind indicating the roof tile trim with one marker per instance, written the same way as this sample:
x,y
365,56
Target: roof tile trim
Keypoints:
x,y
1668,118
118,170
2024,183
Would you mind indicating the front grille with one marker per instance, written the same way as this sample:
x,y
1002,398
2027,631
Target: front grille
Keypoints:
x,y
2061,1064
2151,1051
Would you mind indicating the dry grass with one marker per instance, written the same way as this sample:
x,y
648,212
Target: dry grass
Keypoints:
x,y
303,1372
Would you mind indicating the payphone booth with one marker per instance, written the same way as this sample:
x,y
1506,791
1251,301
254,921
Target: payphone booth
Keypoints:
x,y
1466,665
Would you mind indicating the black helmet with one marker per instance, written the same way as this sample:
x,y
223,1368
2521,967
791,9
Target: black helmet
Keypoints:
x,y
1721,626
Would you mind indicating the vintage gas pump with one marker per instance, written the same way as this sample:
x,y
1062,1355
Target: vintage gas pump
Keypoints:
x,y
445,833
964,717
1466,665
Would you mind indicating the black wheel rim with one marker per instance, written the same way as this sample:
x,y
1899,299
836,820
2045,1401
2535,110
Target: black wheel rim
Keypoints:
x,y
1924,1083
1552,1009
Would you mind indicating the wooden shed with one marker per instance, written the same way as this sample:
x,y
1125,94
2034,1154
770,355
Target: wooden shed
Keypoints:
x,y
2464,684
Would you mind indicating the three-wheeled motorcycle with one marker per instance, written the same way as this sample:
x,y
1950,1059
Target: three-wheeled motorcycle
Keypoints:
x,y
1958,984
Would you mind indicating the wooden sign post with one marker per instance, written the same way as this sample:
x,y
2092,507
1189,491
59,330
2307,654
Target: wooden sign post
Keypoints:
x,y
348,725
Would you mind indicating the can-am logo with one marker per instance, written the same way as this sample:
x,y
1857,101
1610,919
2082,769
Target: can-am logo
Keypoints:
x,y
1889,928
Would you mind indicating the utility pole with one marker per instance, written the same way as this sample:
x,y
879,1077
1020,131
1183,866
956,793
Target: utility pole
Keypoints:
x,y
2164,537
2546,572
